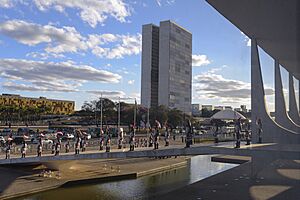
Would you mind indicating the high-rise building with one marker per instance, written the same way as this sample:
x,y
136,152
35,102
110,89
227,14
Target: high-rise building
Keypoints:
x,y
166,66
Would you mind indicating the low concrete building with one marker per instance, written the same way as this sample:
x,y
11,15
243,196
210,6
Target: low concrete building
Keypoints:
x,y
52,106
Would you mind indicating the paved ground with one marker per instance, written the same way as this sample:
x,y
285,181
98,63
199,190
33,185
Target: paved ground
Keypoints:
x,y
280,180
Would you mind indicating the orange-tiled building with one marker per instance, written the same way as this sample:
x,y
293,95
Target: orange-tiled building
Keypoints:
x,y
57,107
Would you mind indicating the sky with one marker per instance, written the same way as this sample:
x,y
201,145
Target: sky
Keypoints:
x,y
77,50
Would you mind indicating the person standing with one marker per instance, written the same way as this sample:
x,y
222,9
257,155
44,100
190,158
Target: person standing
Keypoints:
x,y
53,148
83,145
167,137
174,136
101,139
189,132
67,146
39,150
182,137
247,133
7,152
260,130
23,150
120,138
57,148
77,146
151,138
156,138
132,139
238,128
107,145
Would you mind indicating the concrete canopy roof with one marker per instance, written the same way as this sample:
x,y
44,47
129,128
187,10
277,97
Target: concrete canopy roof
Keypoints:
x,y
274,23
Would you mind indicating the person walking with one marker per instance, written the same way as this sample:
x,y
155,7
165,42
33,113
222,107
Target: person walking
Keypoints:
x,y
238,128
23,150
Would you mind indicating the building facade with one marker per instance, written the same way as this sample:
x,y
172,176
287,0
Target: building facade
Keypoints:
x,y
196,109
57,107
173,71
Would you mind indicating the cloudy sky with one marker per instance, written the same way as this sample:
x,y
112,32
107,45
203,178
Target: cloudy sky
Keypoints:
x,y
77,50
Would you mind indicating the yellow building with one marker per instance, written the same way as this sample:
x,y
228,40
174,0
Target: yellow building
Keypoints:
x,y
57,107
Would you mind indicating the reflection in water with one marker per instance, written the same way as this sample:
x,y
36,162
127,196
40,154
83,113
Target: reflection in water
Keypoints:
x,y
199,167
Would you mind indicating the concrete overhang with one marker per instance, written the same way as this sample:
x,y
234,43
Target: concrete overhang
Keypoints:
x,y
275,24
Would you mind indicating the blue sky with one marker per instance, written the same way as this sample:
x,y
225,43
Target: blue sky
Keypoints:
x,y
76,50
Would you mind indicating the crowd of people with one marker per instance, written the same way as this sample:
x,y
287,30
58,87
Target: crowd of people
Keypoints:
x,y
151,141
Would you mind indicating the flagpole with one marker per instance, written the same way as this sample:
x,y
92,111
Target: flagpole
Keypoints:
x,y
148,123
119,114
134,116
101,114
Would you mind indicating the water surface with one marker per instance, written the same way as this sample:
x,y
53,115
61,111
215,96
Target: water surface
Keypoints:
x,y
198,168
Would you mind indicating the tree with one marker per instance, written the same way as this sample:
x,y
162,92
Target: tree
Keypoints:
x,y
175,117
159,113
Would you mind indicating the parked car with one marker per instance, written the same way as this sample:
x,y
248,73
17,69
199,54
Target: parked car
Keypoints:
x,y
88,136
18,140
2,140
69,136
47,141
6,131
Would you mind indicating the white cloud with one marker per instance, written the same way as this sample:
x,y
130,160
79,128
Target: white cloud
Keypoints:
x,y
246,39
59,40
44,56
6,3
214,86
68,40
115,95
161,3
131,82
107,94
200,60
51,76
126,45
93,12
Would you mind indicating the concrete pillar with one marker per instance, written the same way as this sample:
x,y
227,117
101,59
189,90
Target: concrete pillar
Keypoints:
x,y
281,116
293,109
272,132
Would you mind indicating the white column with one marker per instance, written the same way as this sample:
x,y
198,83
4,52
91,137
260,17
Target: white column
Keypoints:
x,y
293,110
272,132
281,116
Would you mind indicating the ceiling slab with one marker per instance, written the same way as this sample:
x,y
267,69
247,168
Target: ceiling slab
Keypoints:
x,y
275,24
